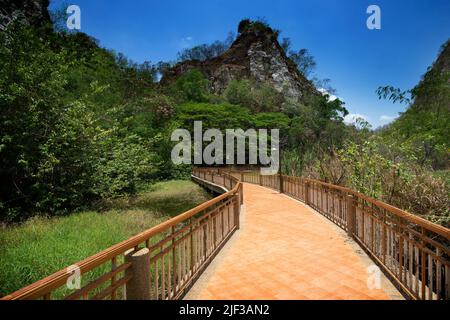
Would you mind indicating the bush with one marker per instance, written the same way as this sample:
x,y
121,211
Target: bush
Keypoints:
x,y
219,116
123,165
192,86
258,97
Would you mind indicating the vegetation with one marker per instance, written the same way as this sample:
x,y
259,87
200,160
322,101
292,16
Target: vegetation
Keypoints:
x,y
44,245
85,141
81,125
258,97
207,51
71,129
405,163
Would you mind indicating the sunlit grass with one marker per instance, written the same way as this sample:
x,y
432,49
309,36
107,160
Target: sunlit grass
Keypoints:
x,y
43,245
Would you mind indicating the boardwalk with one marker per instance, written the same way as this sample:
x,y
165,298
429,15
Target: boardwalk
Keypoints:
x,y
285,250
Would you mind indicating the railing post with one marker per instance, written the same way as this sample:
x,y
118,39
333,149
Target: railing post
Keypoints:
x,y
237,210
241,194
281,182
351,215
307,193
138,287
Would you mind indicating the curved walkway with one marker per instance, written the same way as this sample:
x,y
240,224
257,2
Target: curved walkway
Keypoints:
x,y
286,250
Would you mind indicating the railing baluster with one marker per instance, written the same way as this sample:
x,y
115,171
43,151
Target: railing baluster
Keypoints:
x,y
438,276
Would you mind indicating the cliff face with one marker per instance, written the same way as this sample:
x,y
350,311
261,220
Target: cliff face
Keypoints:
x,y
255,54
34,11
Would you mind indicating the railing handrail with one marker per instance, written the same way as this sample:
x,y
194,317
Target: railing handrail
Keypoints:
x,y
441,230
58,278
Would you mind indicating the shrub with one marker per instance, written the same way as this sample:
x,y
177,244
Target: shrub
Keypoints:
x,y
192,86
220,116
258,97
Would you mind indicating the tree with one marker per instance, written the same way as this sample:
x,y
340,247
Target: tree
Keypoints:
x,y
207,51
192,86
258,97
304,60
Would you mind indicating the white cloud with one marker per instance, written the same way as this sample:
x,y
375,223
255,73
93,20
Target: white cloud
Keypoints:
x,y
332,96
385,119
186,42
351,118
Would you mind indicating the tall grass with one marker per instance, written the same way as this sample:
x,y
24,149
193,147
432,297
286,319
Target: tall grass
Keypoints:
x,y
41,246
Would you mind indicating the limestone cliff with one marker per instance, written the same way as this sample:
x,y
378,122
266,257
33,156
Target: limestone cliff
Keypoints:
x,y
255,54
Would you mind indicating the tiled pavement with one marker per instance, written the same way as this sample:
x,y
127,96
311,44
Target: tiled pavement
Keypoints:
x,y
285,250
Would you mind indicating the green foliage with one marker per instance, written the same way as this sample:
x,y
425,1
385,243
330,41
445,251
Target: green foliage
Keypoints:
x,y
124,164
423,127
272,120
304,60
394,94
219,116
192,86
34,141
365,166
71,131
258,97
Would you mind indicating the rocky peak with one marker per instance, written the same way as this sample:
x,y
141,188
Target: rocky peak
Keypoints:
x,y
255,54
34,11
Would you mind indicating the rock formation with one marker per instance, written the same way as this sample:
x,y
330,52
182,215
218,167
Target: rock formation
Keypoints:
x,y
255,54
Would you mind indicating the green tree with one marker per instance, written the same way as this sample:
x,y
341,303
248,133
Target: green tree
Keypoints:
x,y
192,86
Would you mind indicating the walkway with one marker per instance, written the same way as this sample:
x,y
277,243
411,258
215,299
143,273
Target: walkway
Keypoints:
x,y
285,250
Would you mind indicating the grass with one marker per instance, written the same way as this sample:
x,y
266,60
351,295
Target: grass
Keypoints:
x,y
41,245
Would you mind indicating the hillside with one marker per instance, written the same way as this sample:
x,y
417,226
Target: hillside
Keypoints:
x,y
424,126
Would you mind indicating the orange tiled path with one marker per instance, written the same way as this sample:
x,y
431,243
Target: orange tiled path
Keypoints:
x,y
285,250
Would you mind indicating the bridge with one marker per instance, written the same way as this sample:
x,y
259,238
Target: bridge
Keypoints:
x,y
268,237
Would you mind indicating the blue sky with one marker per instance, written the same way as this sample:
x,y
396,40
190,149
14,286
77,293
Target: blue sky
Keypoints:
x,y
356,59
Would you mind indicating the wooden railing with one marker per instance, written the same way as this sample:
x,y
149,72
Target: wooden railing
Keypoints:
x,y
160,263
412,251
